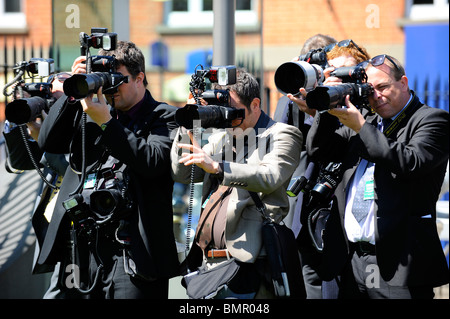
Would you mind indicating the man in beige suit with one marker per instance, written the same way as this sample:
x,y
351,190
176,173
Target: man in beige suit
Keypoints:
x,y
257,155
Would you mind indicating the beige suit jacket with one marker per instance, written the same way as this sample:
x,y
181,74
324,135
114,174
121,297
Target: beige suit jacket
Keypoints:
x,y
265,167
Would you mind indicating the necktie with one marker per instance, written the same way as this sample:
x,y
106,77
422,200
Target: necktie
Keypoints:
x,y
205,223
364,194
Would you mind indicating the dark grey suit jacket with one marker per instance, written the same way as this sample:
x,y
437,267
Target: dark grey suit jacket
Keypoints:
x,y
409,169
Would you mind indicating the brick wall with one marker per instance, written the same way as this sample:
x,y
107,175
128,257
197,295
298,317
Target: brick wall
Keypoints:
x,y
286,25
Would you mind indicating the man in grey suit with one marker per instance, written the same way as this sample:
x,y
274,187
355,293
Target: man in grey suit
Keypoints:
x,y
393,163
257,155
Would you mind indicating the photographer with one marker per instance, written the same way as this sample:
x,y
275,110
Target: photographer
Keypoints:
x,y
113,230
338,54
234,163
53,168
393,167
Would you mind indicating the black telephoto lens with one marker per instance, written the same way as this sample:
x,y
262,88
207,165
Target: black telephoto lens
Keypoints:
x,y
25,110
80,86
328,97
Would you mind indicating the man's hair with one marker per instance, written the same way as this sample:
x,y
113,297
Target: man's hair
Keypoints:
x,y
352,50
396,72
246,87
317,41
130,56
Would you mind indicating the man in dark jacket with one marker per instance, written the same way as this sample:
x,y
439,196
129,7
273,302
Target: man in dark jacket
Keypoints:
x,y
115,204
393,165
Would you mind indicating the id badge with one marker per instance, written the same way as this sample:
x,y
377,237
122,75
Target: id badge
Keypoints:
x,y
369,190
90,181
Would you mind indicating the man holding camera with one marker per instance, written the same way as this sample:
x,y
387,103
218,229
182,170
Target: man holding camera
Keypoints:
x,y
112,225
336,55
256,154
393,166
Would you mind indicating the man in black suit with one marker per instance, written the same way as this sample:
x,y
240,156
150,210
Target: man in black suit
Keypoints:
x,y
392,174
125,249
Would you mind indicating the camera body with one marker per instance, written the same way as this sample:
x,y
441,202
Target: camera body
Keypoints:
x,y
218,113
322,184
103,68
329,178
354,84
25,109
315,56
97,207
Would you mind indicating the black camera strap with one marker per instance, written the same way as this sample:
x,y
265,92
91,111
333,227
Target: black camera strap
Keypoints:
x,y
404,114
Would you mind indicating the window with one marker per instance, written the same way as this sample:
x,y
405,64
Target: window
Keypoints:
x,y
427,9
11,15
199,13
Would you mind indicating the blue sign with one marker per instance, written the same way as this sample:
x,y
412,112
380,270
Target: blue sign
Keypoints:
x,y
160,54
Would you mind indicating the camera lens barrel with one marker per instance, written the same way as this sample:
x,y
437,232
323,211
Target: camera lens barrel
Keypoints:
x,y
25,110
327,97
80,86
291,76
209,116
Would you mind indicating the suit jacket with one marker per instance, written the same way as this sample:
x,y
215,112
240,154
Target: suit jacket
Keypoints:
x,y
265,168
146,152
409,170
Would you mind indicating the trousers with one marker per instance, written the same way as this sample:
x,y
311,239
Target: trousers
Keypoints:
x,y
361,280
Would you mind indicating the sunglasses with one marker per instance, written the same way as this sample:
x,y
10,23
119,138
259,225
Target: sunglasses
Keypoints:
x,y
342,44
59,76
379,60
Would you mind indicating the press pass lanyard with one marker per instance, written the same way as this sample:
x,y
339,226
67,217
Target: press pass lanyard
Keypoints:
x,y
406,112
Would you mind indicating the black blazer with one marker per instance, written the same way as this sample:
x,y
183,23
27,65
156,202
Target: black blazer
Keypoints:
x,y
409,171
147,154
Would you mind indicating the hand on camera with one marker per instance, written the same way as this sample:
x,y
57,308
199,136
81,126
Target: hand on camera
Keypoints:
x,y
79,65
34,127
331,80
97,109
349,116
301,103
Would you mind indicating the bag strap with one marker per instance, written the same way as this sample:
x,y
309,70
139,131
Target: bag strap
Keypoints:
x,y
259,205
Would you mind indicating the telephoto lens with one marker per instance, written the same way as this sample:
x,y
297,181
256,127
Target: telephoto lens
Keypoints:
x,y
209,116
25,110
80,86
291,76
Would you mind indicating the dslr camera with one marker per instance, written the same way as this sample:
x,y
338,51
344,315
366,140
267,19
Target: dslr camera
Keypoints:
x,y
25,109
101,206
306,73
218,113
101,70
355,84
320,188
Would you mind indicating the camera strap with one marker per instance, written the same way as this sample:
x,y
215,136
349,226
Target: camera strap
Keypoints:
x,y
404,114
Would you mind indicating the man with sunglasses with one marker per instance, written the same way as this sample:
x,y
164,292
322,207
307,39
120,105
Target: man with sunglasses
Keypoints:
x,y
394,163
339,54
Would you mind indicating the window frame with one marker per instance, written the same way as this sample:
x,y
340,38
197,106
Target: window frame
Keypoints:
x,y
12,20
195,17
438,10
